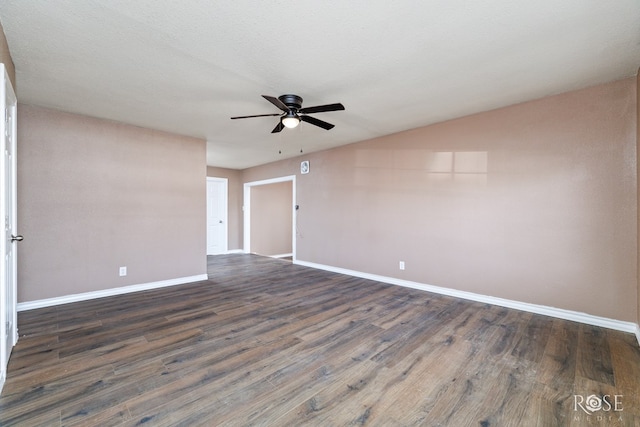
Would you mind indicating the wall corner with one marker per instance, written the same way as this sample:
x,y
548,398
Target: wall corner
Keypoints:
x,y
5,58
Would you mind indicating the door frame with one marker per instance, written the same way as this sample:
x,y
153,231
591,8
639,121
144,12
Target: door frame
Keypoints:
x,y
8,297
225,218
247,210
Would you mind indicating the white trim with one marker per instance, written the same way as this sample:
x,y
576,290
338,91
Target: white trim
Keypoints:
x,y
246,208
49,302
523,306
281,255
271,181
235,251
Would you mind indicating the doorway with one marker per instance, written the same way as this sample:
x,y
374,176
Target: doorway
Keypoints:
x,y
217,229
8,278
269,217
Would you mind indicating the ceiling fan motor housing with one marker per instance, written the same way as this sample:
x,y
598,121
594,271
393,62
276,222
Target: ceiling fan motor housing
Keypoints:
x,y
291,101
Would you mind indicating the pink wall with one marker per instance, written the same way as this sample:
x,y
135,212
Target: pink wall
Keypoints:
x,y
535,202
95,195
271,218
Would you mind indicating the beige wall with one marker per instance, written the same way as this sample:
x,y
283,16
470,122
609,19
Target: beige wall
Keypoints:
x,y
5,58
535,202
271,218
638,187
95,195
235,188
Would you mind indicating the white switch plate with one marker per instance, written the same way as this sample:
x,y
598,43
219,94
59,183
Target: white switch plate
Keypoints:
x,y
401,265
123,271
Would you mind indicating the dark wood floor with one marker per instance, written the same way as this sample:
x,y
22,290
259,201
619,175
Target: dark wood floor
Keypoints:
x,y
266,342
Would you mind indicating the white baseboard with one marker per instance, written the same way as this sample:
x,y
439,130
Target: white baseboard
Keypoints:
x,y
230,251
532,308
281,255
49,302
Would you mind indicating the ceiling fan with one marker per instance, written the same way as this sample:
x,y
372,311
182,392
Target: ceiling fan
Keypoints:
x,y
293,113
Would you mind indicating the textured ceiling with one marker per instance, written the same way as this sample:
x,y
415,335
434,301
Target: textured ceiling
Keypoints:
x,y
188,66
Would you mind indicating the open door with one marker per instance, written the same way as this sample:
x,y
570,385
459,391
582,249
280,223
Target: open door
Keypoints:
x,y
8,237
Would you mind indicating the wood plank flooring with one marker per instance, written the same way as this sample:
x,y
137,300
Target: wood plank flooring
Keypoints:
x,y
266,342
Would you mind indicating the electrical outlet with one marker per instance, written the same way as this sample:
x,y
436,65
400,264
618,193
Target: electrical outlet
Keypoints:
x,y
123,271
401,265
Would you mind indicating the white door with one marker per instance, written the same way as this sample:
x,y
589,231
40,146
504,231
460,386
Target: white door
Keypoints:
x,y
8,279
216,216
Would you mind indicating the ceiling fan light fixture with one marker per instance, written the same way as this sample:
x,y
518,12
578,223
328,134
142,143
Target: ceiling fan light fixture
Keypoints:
x,y
290,120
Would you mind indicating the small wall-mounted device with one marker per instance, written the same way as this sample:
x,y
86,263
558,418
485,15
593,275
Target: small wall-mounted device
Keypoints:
x,y
304,167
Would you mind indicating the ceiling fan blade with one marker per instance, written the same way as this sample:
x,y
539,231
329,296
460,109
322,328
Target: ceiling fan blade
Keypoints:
x,y
256,115
322,108
317,122
276,102
278,127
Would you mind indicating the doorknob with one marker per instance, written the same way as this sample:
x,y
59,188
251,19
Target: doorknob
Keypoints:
x,y
17,238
